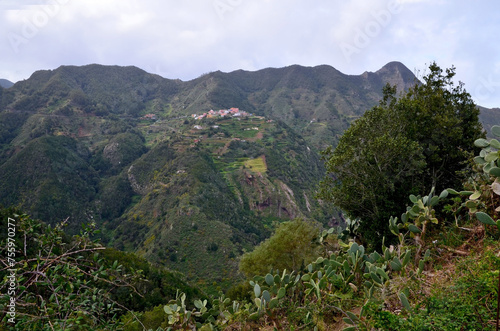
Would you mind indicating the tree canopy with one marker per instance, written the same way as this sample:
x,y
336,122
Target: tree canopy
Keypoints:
x,y
402,146
291,247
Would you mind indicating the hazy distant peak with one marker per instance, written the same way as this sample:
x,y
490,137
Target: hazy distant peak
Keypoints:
x,y
5,83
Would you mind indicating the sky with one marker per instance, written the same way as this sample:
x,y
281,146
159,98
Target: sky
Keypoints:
x,y
189,38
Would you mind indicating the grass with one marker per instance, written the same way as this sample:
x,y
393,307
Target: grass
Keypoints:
x,y
242,129
256,165
232,166
461,293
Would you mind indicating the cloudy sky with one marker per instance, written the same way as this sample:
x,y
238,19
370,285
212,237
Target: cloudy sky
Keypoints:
x,y
185,39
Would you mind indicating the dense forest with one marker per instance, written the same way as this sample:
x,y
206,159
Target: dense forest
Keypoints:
x,y
326,202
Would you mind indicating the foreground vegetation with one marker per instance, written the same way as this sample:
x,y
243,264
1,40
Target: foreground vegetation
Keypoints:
x,y
441,275
60,282
450,285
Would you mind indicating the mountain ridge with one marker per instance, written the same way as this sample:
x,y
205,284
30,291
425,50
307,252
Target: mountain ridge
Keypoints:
x,y
130,151
298,95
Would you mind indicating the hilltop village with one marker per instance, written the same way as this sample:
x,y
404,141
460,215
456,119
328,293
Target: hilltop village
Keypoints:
x,y
234,112
231,112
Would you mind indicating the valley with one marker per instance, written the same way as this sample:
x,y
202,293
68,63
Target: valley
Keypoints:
x,y
154,163
189,175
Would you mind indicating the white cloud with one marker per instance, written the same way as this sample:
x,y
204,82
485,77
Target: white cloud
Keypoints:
x,y
186,39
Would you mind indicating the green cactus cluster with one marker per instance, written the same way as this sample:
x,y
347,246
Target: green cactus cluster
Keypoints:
x,y
489,161
204,315
274,288
177,311
351,270
418,216
489,156
351,229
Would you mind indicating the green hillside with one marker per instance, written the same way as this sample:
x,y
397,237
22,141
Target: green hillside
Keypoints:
x,y
122,147
76,144
205,195
199,184
51,177
303,97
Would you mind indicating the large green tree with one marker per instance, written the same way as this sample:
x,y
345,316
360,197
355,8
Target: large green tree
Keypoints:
x,y
403,145
443,119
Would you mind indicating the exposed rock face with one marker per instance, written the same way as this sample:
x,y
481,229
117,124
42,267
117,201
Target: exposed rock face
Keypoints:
x,y
396,73
110,152
139,189
268,196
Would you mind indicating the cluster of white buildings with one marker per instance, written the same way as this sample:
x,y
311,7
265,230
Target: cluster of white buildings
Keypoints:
x,y
233,112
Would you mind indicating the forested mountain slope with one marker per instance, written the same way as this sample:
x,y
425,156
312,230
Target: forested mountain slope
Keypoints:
x,y
135,152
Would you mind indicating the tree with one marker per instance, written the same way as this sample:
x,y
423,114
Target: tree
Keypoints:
x,y
290,247
369,171
444,120
400,147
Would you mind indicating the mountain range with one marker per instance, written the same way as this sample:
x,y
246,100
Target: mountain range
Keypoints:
x,y
155,165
